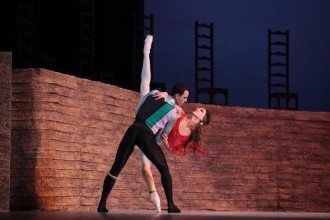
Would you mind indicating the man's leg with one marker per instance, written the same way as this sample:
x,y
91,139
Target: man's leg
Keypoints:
x,y
124,151
151,149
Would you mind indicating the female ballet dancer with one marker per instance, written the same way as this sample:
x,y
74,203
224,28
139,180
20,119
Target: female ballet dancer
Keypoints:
x,y
186,132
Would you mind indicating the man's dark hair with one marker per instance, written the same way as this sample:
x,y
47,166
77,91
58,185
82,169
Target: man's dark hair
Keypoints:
x,y
179,88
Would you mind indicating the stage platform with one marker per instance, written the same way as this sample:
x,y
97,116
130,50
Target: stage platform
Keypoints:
x,y
151,215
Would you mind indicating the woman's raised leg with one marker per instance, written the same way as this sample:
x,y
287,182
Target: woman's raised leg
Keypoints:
x,y
146,70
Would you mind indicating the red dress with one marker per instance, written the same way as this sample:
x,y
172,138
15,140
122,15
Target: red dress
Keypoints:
x,y
177,141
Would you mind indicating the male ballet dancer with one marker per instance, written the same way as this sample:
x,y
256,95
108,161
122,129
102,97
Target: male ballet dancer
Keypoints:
x,y
152,116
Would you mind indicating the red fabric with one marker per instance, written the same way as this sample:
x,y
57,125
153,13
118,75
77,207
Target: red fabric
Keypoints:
x,y
177,141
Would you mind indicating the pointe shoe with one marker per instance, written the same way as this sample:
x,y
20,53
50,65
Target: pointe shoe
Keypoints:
x,y
173,209
147,44
102,210
154,199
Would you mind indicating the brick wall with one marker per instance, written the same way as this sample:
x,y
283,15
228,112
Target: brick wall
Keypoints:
x,y
65,132
5,128
264,160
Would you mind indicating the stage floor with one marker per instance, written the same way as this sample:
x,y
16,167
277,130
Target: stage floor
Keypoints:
x,y
151,215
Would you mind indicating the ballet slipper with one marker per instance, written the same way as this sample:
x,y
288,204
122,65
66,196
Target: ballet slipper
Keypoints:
x,y
147,44
154,199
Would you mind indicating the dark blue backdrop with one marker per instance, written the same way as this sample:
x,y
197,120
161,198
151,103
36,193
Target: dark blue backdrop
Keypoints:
x,y
241,46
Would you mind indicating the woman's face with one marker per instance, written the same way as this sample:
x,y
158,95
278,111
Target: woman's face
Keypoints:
x,y
199,113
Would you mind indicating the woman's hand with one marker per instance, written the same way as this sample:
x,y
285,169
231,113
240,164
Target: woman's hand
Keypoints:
x,y
165,142
167,146
160,95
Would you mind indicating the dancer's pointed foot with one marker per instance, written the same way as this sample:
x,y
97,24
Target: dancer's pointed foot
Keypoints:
x,y
102,209
173,209
154,199
147,44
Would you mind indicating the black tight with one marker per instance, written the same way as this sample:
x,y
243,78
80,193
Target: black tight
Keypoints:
x,y
139,134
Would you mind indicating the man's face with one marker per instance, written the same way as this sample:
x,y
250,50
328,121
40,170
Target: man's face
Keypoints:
x,y
180,99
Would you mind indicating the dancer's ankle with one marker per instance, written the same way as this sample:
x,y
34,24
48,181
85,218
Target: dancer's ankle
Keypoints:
x,y
147,45
152,191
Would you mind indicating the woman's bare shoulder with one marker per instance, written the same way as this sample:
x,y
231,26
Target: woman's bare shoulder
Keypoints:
x,y
179,109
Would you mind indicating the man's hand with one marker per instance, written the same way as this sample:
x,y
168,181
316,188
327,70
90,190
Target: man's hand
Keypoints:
x,y
160,95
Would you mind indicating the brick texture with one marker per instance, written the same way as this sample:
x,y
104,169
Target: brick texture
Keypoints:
x,y
65,133
5,128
